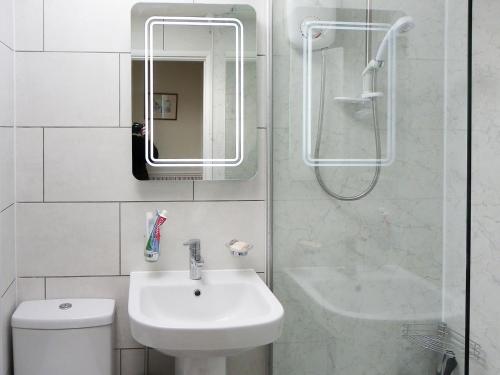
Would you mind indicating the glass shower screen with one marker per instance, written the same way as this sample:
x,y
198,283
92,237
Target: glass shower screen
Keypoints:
x,y
369,208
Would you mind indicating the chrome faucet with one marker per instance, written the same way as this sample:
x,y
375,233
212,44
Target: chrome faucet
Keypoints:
x,y
195,259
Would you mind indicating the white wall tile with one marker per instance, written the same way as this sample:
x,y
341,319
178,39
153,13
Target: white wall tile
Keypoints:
x,y
132,362
69,239
29,164
7,91
7,195
215,223
7,22
96,165
91,25
72,25
253,189
72,89
137,23
261,8
98,287
30,288
7,306
91,164
125,90
7,248
29,25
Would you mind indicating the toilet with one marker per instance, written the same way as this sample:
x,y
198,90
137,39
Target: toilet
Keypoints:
x,y
63,337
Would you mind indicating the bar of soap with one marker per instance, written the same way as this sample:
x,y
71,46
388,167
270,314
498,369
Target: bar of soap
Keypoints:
x,y
240,246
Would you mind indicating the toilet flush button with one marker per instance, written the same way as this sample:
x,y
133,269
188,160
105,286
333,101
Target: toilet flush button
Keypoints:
x,y
65,306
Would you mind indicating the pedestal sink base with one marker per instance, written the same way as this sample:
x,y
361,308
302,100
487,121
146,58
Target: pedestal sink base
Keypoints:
x,y
202,322
200,366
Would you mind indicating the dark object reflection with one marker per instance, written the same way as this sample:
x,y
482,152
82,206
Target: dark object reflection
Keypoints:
x,y
139,152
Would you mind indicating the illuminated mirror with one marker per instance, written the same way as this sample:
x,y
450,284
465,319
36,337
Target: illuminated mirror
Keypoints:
x,y
194,90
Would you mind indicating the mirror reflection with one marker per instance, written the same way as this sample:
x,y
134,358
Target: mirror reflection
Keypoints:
x,y
194,94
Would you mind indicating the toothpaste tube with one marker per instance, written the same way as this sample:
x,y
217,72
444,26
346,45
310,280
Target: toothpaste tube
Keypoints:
x,y
153,245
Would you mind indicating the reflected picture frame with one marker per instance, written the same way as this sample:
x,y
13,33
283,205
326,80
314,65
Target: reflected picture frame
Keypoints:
x,y
165,106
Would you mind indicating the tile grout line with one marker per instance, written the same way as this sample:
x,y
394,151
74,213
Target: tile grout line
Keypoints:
x,y
80,127
6,46
72,276
8,288
119,361
98,276
6,208
120,238
154,201
119,90
131,348
73,52
43,164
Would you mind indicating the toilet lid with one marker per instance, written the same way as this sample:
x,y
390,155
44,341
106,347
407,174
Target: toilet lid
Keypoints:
x,y
64,313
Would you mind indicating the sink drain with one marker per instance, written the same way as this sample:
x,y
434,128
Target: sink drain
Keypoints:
x,y
197,292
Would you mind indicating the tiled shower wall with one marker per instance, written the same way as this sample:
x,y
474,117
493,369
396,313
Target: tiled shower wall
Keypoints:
x,y
485,288
80,212
7,188
403,221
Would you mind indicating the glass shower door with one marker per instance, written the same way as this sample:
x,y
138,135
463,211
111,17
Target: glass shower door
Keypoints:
x,y
370,186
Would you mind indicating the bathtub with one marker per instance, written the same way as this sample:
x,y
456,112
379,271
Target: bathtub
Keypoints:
x,y
363,309
386,293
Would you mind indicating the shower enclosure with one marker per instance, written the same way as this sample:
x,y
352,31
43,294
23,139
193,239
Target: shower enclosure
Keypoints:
x,y
370,186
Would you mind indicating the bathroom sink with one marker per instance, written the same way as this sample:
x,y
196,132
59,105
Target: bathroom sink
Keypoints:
x,y
224,313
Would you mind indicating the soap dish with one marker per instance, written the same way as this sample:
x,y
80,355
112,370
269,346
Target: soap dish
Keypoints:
x,y
238,248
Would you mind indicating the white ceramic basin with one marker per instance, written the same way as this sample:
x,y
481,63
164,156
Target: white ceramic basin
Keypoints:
x,y
234,311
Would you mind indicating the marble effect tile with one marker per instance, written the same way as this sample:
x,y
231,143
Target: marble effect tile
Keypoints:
x,y
95,75
7,307
100,169
7,248
401,221
7,92
486,81
69,239
29,164
214,223
30,288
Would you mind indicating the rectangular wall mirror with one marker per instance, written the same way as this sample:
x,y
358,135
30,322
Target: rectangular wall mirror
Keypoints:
x,y
194,92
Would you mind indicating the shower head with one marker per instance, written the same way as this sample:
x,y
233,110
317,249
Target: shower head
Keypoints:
x,y
402,25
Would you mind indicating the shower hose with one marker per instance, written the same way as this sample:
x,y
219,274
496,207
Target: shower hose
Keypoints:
x,y
376,131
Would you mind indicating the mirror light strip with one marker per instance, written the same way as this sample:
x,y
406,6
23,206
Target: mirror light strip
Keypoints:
x,y
149,79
